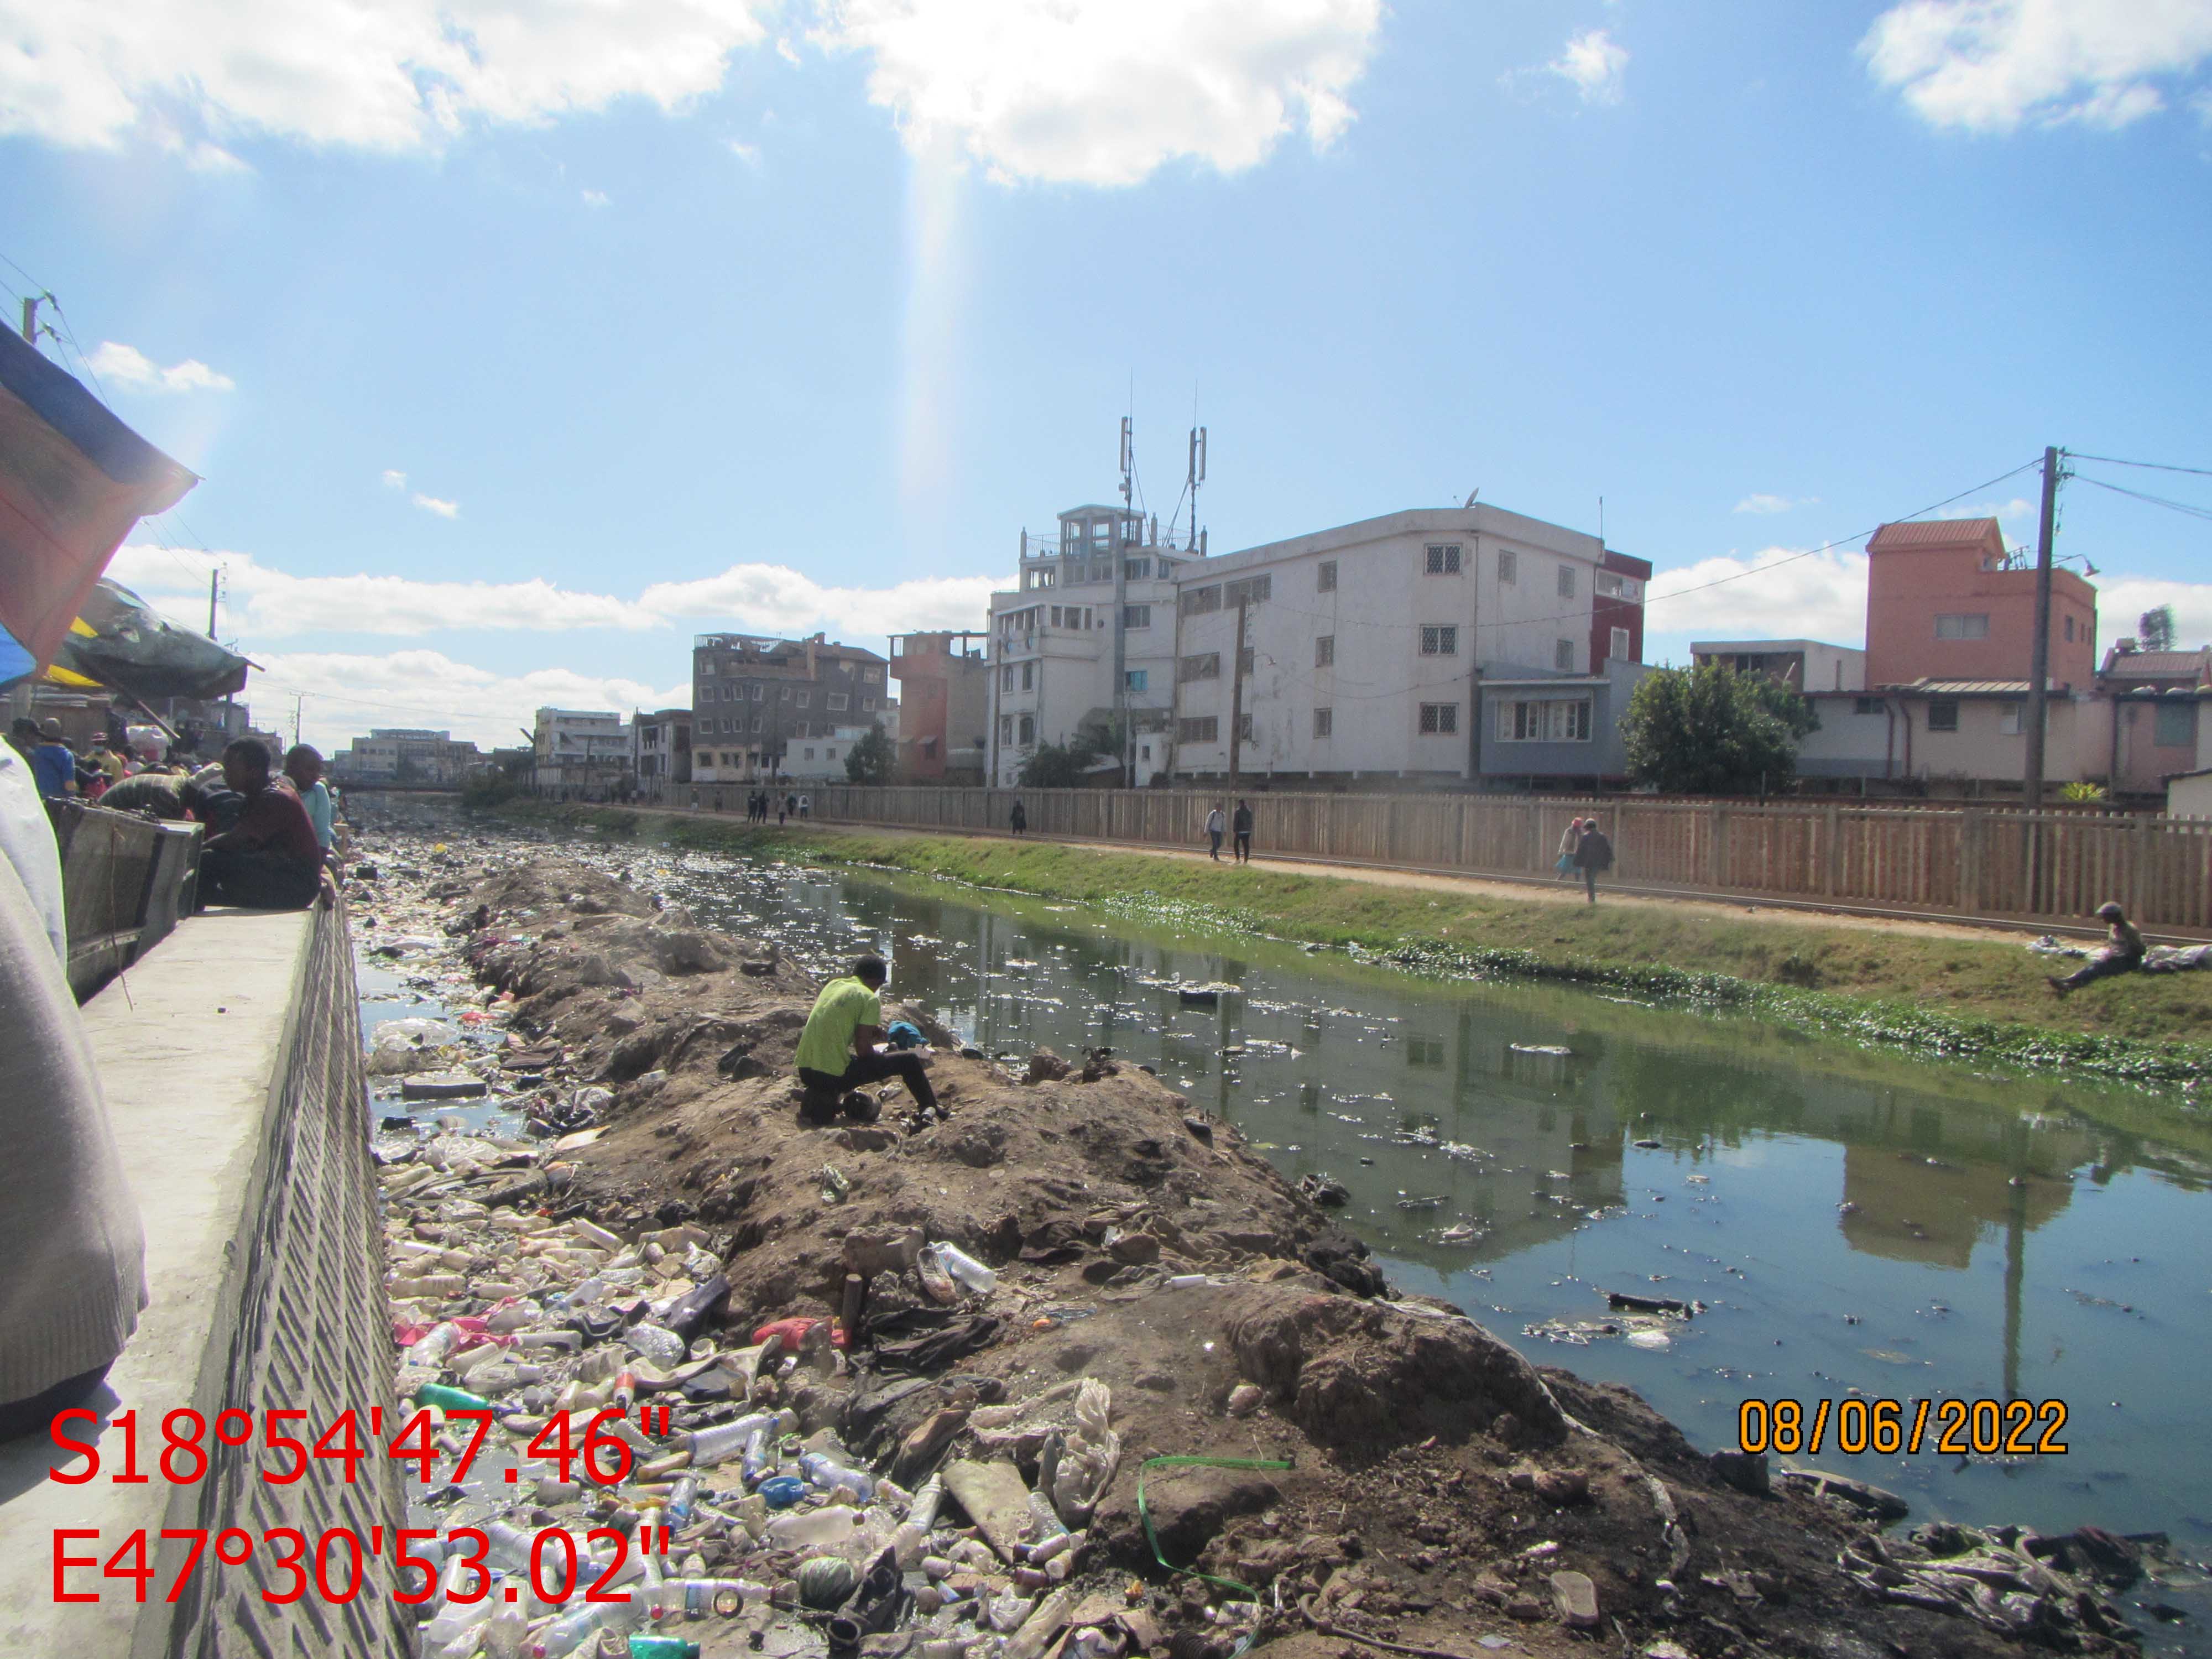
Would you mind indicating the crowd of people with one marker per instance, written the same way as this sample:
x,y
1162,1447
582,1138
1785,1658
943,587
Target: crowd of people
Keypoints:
x,y
272,833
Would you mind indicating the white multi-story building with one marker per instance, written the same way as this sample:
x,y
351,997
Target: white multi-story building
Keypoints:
x,y
1102,589
580,749
1366,647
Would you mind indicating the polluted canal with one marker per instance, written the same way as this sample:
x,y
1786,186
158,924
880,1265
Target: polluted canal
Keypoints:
x,y
1710,1209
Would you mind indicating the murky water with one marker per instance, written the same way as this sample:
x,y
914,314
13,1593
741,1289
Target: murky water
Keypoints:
x,y
1850,1222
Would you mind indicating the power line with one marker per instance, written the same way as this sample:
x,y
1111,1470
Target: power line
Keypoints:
x,y
2155,466
2194,511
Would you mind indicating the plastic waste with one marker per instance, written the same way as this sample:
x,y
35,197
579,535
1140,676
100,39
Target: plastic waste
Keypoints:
x,y
662,1647
724,1441
566,1634
450,1400
680,1500
827,1475
505,1633
971,1275
651,1342
781,1492
698,1597
432,1347
798,1528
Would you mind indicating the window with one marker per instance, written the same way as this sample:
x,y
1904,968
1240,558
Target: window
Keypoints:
x,y
1029,728
1055,616
2007,720
1251,590
1545,720
1244,661
830,754
1006,678
1206,666
1563,656
1204,729
838,701
1137,678
1029,677
1143,751
760,724
1620,649
1102,533
786,697
1197,601
1973,626
760,692
1866,705
1325,576
1439,639
1442,561
1439,719
1566,582
1324,650
1424,1051
2176,726
1136,616
810,754
1943,716
1509,567
2069,630
1137,570
873,675
867,705
1615,586
1005,728
1324,722
803,696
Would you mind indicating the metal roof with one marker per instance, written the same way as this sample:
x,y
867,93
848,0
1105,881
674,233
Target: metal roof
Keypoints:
x,y
1935,532
2156,664
1961,689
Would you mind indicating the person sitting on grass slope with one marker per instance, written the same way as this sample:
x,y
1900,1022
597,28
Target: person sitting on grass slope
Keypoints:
x,y
2122,952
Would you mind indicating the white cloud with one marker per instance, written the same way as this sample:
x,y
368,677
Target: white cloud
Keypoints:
x,y
2121,600
1819,596
1105,92
432,504
1594,64
132,368
1762,502
749,153
596,199
381,75
266,603
349,693
394,479
1988,65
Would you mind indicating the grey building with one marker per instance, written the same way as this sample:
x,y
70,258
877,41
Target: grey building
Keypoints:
x,y
1539,729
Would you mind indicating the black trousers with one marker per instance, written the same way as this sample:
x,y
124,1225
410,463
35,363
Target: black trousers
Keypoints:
x,y
1244,845
257,880
864,1069
2101,964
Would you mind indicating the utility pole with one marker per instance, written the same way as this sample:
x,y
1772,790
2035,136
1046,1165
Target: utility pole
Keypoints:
x,y
1236,696
215,584
1121,539
31,320
2038,669
297,697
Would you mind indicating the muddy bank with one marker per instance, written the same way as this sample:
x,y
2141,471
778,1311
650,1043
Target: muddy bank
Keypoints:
x,y
1439,1491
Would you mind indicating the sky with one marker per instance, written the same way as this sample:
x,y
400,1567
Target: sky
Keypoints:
x,y
517,341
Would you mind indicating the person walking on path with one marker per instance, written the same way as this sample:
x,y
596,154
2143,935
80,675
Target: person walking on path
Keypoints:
x,y
2122,952
1215,824
1241,826
1018,820
1593,854
805,808
838,1053
1568,839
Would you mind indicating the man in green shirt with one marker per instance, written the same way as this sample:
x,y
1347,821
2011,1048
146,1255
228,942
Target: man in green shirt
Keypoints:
x,y
837,1051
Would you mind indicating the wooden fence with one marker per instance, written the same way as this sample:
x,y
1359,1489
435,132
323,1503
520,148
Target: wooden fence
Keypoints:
x,y
2051,865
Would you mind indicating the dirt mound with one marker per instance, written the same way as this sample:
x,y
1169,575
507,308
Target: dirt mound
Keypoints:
x,y
1364,1467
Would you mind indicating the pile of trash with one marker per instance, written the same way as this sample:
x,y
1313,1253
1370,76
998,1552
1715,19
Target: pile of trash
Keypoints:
x,y
2046,1590
707,1488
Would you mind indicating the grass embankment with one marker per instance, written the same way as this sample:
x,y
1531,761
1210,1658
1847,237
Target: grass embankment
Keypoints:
x,y
1930,991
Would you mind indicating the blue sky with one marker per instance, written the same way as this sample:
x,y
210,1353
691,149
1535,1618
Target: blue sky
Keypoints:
x,y
518,342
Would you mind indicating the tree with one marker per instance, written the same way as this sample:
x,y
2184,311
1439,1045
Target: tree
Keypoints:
x,y
1056,766
1710,731
2154,629
871,760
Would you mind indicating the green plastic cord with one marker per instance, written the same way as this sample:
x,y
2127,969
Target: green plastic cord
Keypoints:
x,y
1145,1512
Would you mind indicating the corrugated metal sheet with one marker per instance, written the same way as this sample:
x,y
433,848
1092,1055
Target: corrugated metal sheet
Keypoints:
x,y
1963,689
1935,532
2156,664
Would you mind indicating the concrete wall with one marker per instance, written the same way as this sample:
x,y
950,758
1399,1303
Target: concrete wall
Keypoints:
x,y
233,1075
1908,588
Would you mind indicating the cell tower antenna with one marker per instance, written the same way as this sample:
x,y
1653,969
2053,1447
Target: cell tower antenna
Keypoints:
x,y
1197,477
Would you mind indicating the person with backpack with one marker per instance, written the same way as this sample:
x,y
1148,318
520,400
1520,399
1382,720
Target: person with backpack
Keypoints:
x,y
1593,854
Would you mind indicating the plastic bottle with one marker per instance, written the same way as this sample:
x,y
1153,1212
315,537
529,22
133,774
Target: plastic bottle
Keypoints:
x,y
1185,1281
681,1498
565,1635
504,1634
662,1647
450,1400
755,1463
662,1347
913,1535
698,1597
434,1344
724,1441
833,1524
509,1545
454,1619
965,1269
827,1475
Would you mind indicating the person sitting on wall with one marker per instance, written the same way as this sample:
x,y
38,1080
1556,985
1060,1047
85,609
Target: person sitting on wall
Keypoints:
x,y
2122,952
303,765
838,1053
270,859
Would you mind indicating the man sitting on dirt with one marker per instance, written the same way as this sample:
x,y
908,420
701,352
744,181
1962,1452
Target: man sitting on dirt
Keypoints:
x,y
270,859
2122,952
837,1053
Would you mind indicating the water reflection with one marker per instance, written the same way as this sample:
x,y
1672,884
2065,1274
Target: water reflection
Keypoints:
x,y
1848,1218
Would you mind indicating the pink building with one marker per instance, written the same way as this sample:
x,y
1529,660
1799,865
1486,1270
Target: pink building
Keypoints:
x,y
1945,602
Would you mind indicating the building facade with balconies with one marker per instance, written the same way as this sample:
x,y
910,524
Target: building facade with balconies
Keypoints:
x,y
755,697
